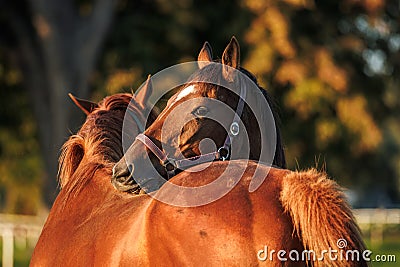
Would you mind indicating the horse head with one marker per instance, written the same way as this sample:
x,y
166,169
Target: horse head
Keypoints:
x,y
218,122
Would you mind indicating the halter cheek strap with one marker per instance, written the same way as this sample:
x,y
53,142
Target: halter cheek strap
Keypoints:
x,y
234,129
137,117
223,153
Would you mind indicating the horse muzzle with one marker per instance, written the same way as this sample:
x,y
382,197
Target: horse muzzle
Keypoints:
x,y
122,178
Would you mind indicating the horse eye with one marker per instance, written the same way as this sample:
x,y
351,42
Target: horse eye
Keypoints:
x,y
200,111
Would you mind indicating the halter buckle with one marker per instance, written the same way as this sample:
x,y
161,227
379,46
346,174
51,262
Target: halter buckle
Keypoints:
x,y
223,153
169,165
234,129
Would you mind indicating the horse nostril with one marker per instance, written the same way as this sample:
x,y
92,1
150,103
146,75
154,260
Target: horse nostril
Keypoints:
x,y
122,171
122,178
130,168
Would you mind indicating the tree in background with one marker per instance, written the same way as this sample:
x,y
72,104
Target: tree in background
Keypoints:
x,y
55,44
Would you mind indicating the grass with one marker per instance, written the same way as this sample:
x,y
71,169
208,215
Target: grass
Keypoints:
x,y
384,250
22,256
389,246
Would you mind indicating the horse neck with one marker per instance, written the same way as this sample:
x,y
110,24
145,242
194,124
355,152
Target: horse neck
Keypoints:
x,y
254,142
80,206
87,161
90,172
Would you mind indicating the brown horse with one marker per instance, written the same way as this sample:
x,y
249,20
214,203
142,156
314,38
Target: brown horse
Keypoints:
x,y
91,224
204,106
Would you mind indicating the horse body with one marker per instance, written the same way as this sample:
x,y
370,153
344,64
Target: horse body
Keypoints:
x,y
100,227
121,230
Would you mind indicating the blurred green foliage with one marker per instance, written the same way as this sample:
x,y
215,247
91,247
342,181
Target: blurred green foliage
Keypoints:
x,y
332,66
20,162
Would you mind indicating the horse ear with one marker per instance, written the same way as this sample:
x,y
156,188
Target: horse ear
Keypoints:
x,y
85,105
144,93
231,59
205,55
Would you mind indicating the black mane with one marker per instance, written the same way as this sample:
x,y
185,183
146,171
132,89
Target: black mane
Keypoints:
x,y
215,69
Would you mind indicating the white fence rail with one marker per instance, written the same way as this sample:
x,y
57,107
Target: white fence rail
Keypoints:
x,y
374,221
24,231
20,231
377,216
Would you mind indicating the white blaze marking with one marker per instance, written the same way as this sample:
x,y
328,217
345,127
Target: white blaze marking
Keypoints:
x,y
185,92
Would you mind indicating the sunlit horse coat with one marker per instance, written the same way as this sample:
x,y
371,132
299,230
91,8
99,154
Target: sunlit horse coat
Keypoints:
x,y
92,224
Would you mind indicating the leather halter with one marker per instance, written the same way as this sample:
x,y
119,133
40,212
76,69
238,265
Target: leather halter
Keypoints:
x,y
223,153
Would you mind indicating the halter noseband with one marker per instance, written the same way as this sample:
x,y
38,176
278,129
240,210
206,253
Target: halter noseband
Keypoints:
x,y
222,153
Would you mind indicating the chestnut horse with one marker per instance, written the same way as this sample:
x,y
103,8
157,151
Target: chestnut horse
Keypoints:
x,y
91,224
